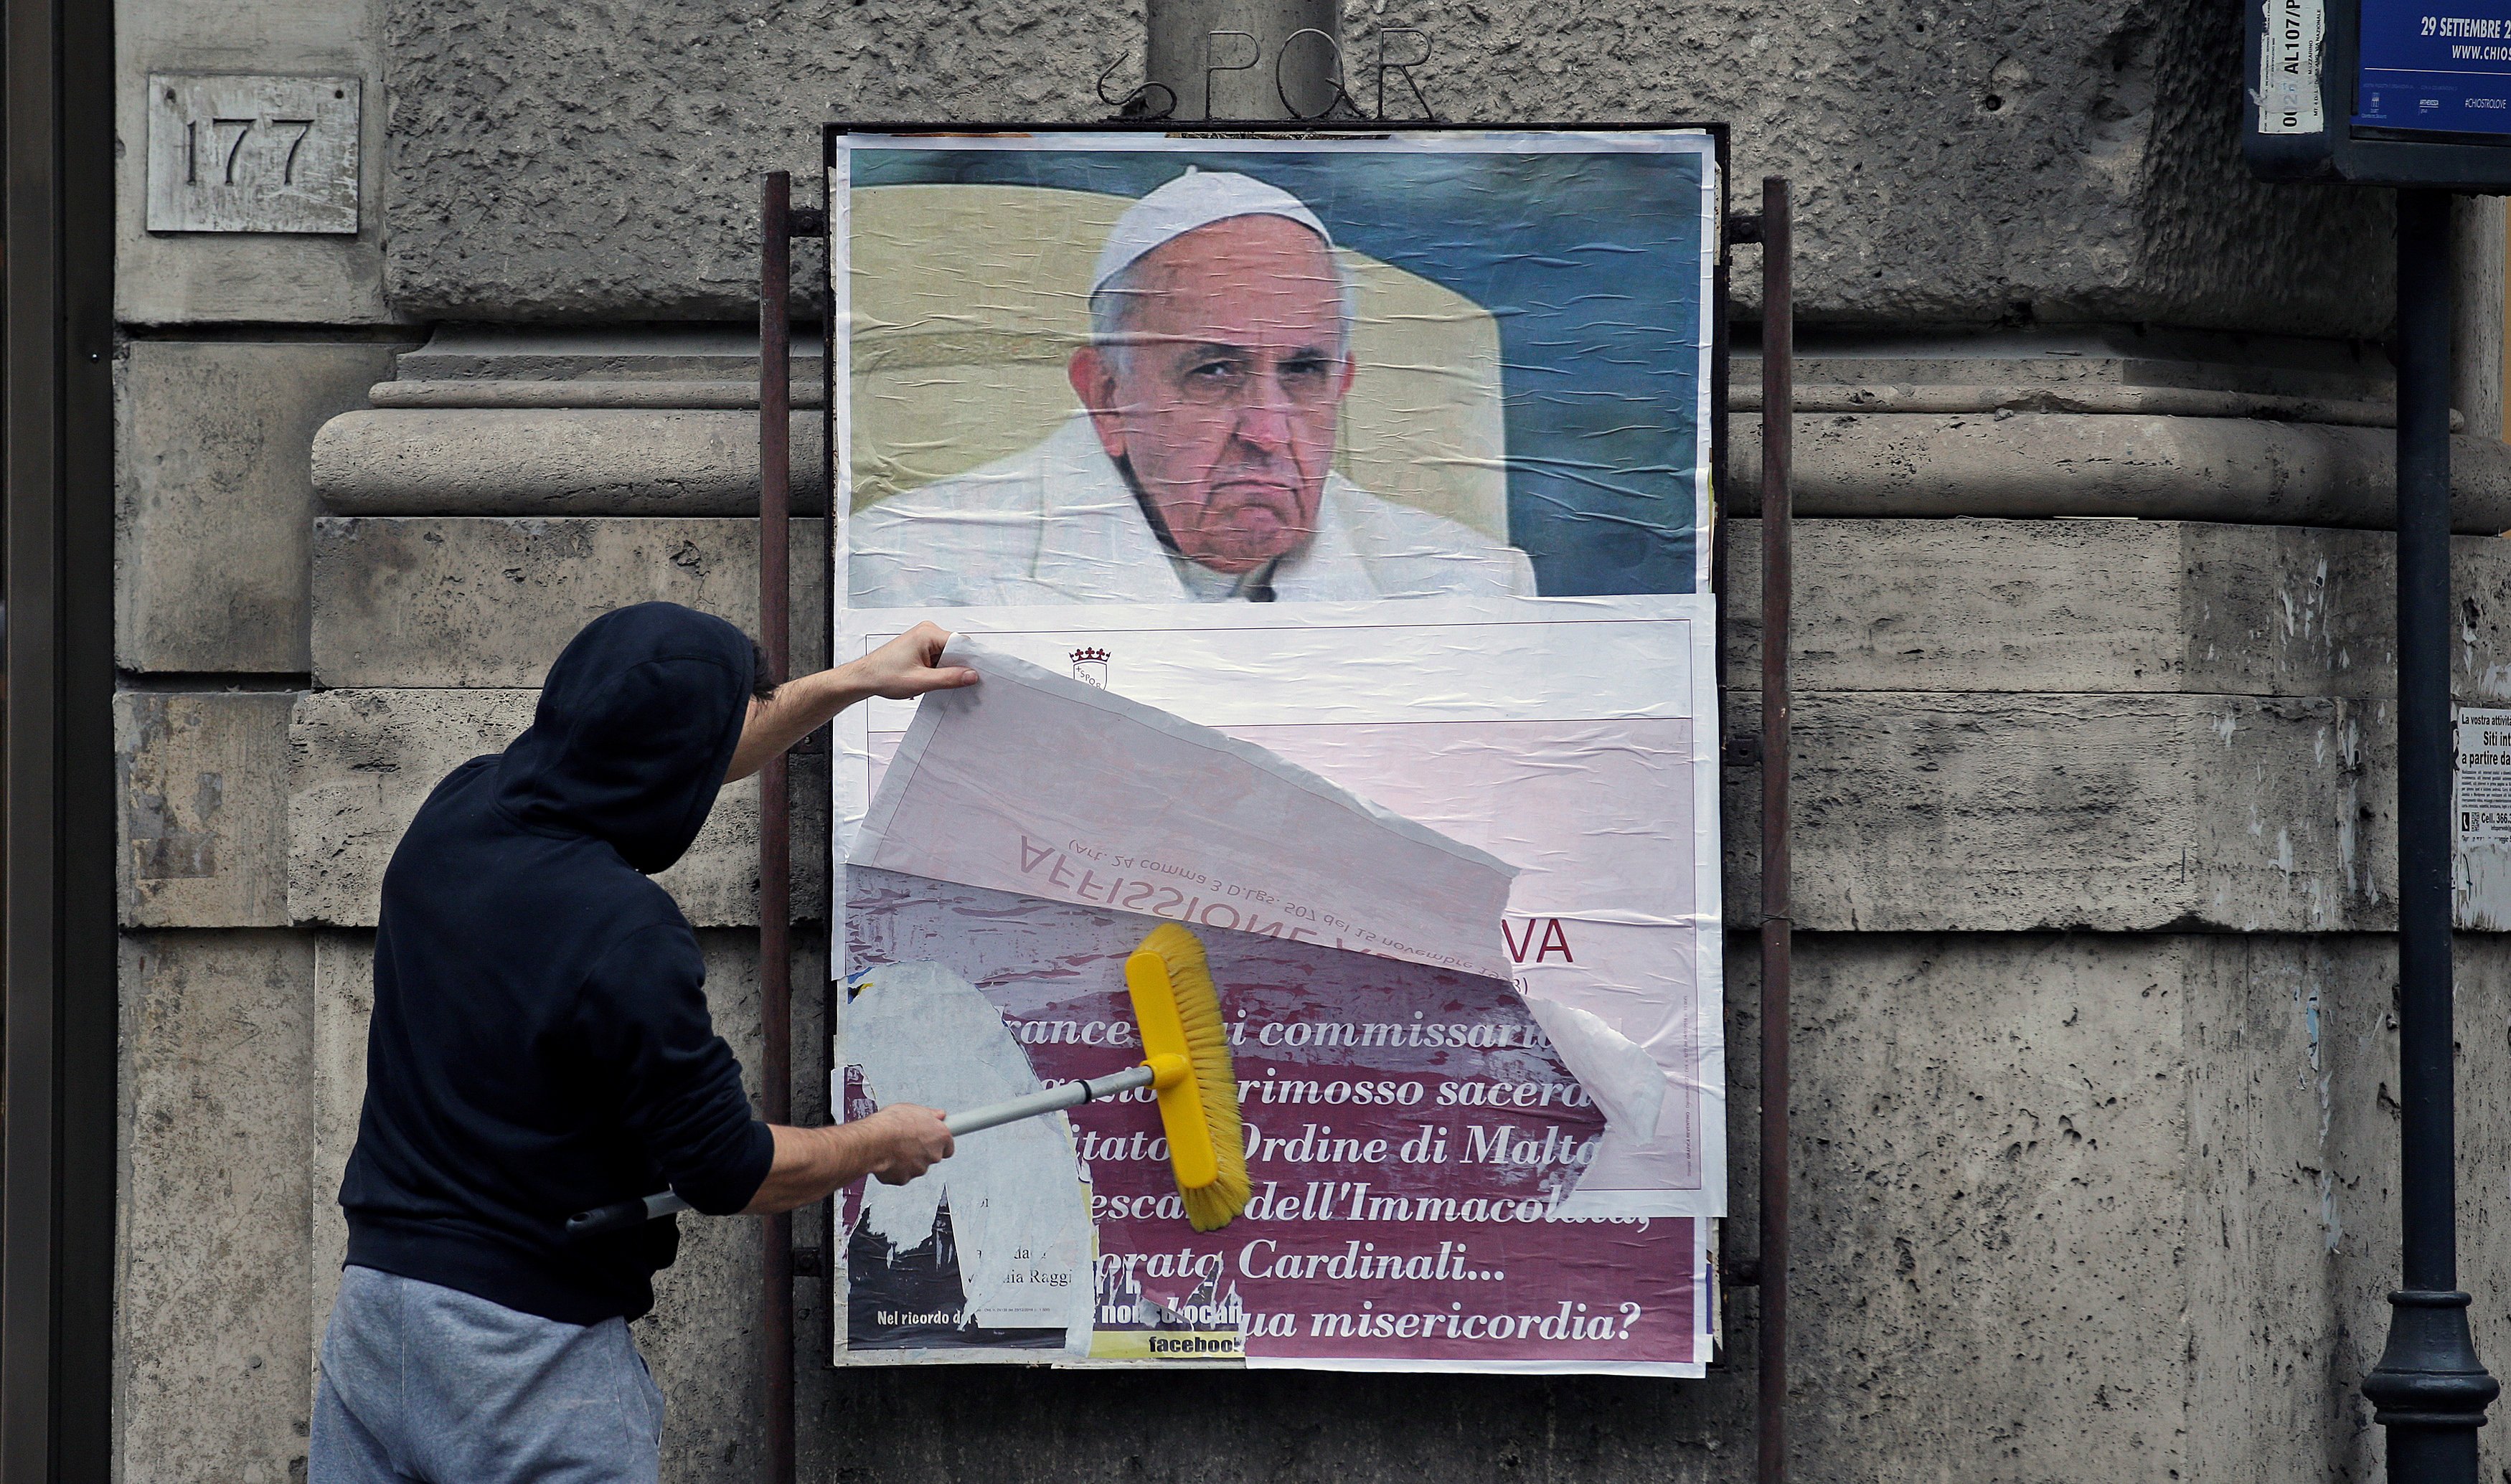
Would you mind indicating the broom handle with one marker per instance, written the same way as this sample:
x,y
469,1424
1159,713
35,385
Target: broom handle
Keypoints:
x,y
1065,1095
621,1215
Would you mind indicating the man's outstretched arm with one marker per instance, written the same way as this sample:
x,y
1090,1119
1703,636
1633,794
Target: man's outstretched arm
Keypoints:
x,y
893,1146
901,669
900,1141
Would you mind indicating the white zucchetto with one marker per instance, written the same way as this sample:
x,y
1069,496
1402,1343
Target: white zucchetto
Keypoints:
x,y
1195,199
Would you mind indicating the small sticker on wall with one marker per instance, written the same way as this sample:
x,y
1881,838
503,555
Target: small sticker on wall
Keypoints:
x,y
2288,68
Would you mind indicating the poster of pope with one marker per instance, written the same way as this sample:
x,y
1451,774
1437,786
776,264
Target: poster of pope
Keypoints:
x,y
1145,369
1328,516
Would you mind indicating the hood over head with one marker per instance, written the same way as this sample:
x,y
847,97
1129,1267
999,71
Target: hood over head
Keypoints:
x,y
637,724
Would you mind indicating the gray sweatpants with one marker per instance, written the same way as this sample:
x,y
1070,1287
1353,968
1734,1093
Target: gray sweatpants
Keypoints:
x,y
422,1383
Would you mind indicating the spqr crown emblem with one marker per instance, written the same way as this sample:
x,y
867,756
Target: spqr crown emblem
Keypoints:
x,y
1089,667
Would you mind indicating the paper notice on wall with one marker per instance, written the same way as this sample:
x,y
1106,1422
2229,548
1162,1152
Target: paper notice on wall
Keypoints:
x,y
2480,787
1036,782
2480,811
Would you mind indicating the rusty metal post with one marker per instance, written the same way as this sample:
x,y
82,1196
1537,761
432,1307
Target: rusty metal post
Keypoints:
x,y
775,814
831,1253
1778,575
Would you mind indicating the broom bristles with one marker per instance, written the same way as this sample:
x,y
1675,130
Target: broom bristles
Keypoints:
x,y
1210,1208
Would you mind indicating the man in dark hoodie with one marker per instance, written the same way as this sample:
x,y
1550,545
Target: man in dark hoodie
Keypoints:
x,y
540,1044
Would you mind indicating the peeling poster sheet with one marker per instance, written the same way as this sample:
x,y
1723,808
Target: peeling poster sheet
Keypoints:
x,y
1327,520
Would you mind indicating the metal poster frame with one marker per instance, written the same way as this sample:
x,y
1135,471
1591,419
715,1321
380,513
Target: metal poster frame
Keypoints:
x,y
1728,229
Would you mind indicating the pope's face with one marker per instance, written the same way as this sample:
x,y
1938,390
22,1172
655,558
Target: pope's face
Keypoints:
x,y
1225,398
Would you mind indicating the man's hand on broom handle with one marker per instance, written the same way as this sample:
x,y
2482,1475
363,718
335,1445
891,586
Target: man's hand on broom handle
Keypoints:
x,y
902,669
893,1146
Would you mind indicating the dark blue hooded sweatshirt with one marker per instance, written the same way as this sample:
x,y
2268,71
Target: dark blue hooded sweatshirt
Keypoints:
x,y
540,1041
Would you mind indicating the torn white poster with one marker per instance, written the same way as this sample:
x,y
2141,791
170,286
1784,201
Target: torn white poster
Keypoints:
x,y
1037,783
1019,1199
1572,738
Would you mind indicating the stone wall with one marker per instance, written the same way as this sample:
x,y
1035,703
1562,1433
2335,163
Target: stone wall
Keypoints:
x,y
2095,823
2067,161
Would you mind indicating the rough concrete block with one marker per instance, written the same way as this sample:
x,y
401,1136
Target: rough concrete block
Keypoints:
x,y
1973,605
2108,606
932,1424
2118,814
554,461
723,354
482,601
676,236
2081,368
204,801
2475,252
210,1315
214,496
2292,1145
249,278
362,761
2154,467
344,996
701,1338
1993,1122
2134,1193
649,461
2089,146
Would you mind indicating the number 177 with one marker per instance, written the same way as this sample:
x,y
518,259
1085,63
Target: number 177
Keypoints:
x,y
235,146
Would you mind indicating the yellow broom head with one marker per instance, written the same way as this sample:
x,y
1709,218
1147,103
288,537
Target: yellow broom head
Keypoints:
x,y
1179,1010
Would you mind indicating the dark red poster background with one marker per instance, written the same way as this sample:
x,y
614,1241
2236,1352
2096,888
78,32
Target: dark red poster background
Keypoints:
x,y
1408,1134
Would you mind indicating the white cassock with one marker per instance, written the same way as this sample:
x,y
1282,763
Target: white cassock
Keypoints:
x,y
1058,524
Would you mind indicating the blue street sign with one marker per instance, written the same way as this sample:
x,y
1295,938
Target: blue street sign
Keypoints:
x,y
2435,67
2402,92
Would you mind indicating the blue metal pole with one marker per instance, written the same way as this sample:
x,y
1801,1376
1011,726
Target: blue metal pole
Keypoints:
x,y
2429,1389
